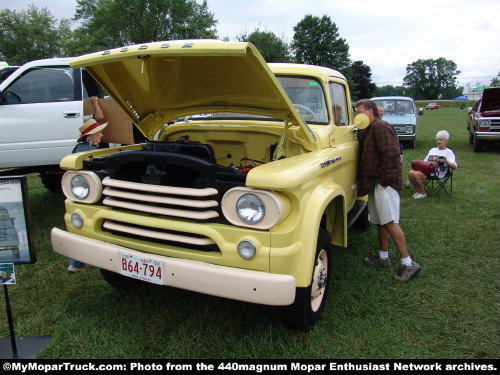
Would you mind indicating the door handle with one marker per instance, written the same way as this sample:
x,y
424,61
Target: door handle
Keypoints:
x,y
70,114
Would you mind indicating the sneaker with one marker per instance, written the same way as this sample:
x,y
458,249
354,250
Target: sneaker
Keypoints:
x,y
419,196
405,273
74,269
377,261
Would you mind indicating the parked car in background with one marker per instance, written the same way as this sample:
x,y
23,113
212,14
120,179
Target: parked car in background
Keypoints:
x,y
41,109
432,106
484,119
402,113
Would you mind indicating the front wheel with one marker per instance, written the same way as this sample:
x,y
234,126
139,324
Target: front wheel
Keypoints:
x,y
309,302
411,144
118,281
477,145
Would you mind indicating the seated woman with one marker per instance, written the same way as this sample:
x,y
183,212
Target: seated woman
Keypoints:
x,y
439,154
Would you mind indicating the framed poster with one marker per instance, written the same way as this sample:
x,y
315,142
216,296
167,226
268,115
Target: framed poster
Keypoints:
x,y
16,239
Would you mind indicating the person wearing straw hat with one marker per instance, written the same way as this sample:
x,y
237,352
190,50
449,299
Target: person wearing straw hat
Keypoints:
x,y
90,136
89,139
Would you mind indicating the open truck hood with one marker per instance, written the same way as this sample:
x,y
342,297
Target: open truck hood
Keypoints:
x,y
490,102
157,82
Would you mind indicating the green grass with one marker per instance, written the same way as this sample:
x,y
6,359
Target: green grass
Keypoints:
x,y
450,311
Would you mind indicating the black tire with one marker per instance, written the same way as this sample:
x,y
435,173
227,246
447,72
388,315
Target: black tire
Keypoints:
x,y
411,144
362,222
477,145
118,281
52,181
307,309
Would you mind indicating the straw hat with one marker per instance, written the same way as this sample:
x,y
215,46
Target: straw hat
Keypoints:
x,y
90,127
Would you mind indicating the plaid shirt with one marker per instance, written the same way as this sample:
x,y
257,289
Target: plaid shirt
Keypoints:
x,y
380,161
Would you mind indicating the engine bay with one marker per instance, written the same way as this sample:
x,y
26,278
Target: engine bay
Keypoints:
x,y
182,163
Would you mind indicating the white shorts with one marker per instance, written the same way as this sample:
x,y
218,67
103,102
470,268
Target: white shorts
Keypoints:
x,y
383,205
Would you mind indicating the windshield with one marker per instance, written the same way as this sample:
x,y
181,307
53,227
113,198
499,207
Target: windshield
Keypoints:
x,y
393,106
305,93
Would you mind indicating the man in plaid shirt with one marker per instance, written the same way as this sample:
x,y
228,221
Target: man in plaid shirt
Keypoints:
x,y
380,176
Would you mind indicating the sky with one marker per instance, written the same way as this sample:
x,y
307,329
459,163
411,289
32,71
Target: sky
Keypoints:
x,y
387,35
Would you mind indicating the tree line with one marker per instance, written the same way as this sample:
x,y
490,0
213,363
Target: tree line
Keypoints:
x,y
34,33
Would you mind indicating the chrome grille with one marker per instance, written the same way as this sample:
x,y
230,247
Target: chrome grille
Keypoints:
x,y
186,203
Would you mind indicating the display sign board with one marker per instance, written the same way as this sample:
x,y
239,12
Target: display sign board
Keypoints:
x,y
16,240
7,274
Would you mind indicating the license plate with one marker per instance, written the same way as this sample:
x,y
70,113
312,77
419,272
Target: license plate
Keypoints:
x,y
142,268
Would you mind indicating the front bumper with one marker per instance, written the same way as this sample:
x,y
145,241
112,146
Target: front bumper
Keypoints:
x,y
490,136
406,137
234,283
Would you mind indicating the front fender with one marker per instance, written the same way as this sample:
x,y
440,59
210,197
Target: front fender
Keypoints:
x,y
294,252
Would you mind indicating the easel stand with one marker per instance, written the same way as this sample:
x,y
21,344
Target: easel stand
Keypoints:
x,y
29,346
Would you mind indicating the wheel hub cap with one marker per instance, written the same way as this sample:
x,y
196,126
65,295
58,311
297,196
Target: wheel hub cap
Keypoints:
x,y
320,278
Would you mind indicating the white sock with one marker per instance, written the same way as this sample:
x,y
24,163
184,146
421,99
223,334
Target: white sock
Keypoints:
x,y
407,261
383,254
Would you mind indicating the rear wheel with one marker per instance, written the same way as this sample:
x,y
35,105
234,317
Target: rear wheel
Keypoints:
x,y
411,144
118,281
309,302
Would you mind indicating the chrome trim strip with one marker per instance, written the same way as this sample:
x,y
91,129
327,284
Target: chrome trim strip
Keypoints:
x,y
159,189
159,199
203,215
158,235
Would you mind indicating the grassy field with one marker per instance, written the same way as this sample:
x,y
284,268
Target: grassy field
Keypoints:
x,y
450,311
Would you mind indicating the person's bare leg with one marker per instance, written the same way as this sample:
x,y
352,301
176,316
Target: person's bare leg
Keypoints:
x,y
398,237
383,238
417,179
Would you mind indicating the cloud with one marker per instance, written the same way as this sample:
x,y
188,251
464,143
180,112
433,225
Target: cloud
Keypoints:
x,y
386,34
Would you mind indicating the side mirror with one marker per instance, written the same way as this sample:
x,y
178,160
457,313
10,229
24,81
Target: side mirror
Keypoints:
x,y
361,121
8,97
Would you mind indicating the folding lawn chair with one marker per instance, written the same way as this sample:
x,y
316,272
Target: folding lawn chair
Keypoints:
x,y
441,180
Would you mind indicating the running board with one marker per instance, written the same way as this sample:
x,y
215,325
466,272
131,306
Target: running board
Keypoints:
x,y
357,209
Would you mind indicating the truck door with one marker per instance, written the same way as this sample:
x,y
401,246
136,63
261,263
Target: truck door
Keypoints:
x,y
40,113
341,110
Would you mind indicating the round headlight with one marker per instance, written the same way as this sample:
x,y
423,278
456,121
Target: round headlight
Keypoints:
x,y
409,130
80,187
247,249
77,220
250,208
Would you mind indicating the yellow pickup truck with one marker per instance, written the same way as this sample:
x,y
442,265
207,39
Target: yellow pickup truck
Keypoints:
x,y
248,177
